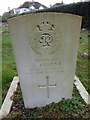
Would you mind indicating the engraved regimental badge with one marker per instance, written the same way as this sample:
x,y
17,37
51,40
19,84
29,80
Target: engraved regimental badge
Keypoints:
x,y
44,40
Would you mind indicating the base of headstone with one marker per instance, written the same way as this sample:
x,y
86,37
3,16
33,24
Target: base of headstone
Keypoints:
x,y
6,106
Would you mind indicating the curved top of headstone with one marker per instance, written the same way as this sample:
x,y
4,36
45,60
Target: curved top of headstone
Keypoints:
x,y
44,12
56,9
44,30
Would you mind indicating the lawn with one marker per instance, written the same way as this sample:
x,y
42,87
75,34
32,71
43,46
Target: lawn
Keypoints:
x,y
66,108
8,64
82,70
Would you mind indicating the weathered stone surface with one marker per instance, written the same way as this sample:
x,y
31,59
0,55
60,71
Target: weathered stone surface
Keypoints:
x,y
45,47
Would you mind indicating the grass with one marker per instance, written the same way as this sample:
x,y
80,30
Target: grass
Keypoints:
x,y
75,107
8,63
82,70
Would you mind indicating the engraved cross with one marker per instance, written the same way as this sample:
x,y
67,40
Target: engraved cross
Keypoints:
x,y
47,86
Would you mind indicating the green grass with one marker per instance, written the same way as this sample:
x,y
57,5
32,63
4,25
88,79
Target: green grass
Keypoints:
x,y
82,63
8,63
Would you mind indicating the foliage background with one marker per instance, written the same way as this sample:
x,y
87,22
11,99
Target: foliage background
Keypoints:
x,y
80,8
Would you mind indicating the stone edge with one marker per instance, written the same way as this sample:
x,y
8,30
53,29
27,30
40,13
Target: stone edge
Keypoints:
x,y
6,106
84,94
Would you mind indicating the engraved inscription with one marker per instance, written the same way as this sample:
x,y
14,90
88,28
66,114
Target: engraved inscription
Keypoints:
x,y
47,86
45,26
46,39
47,66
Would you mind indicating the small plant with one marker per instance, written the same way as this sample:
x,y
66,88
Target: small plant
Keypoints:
x,y
72,106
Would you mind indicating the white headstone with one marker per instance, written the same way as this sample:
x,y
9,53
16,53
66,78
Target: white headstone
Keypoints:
x,y
45,47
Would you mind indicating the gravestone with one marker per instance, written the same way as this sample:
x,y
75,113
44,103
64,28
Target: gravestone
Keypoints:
x,y
45,47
